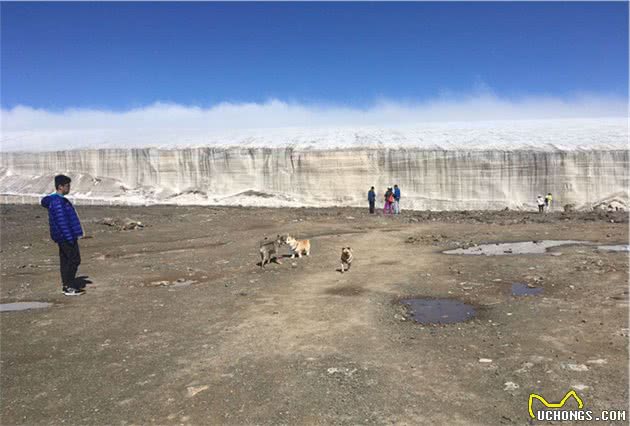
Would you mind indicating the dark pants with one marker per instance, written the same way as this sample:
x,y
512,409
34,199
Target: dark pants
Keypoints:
x,y
371,207
69,261
541,209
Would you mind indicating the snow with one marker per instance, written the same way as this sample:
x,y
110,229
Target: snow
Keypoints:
x,y
553,134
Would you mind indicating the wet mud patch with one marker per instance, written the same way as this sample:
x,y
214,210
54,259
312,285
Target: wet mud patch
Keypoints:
x,y
427,311
349,290
523,247
389,262
23,306
521,289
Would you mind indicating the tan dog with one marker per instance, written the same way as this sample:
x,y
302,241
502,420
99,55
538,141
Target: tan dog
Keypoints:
x,y
298,246
346,258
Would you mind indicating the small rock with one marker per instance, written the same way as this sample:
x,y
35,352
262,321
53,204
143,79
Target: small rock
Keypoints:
x,y
510,386
580,387
575,367
194,390
599,361
400,317
485,360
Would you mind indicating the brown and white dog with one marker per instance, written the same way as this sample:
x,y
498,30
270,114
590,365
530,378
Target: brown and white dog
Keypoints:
x,y
298,246
346,258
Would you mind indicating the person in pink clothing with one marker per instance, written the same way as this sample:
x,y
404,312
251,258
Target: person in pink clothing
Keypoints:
x,y
389,201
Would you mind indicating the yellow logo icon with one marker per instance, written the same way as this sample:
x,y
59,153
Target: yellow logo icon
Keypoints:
x,y
560,404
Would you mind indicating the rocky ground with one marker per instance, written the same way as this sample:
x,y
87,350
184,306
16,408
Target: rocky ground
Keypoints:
x,y
180,326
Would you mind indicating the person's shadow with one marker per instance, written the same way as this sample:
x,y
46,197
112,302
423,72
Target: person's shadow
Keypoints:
x,y
82,281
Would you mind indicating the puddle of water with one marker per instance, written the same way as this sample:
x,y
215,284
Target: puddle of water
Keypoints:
x,y
23,306
520,289
618,247
439,311
503,249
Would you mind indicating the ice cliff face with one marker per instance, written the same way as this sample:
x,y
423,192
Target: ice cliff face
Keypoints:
x,y
435,179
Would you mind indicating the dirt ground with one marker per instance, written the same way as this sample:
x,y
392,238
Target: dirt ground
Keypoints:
x,y
299,342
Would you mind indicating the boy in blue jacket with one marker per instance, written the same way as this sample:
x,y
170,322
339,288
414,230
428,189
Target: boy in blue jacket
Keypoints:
x,y
371,199
396,199
65,230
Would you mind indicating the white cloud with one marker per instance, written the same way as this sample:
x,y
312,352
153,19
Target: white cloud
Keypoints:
x,y
26,128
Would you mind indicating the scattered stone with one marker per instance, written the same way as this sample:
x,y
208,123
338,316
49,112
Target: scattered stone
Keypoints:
x,y
575,367
510,386
122,224
599,361
159,283
580,387
343,371
400,317
485,360
194,390
525,367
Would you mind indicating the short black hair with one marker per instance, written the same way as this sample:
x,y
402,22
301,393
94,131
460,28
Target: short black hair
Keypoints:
x,y
61,180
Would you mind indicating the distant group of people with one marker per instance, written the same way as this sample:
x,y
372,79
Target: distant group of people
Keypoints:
x,y
391,200
544,203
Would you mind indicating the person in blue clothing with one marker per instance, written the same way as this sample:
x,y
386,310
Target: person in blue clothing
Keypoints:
x,y
65,230
371,199
396,199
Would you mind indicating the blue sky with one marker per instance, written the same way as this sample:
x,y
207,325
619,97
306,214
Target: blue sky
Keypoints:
x,y
119,56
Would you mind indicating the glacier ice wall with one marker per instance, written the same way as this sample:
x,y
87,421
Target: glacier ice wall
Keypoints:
x,y
433,179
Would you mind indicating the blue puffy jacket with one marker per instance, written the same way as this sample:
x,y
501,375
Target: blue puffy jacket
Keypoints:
x,y
371,196
397,194
62,218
